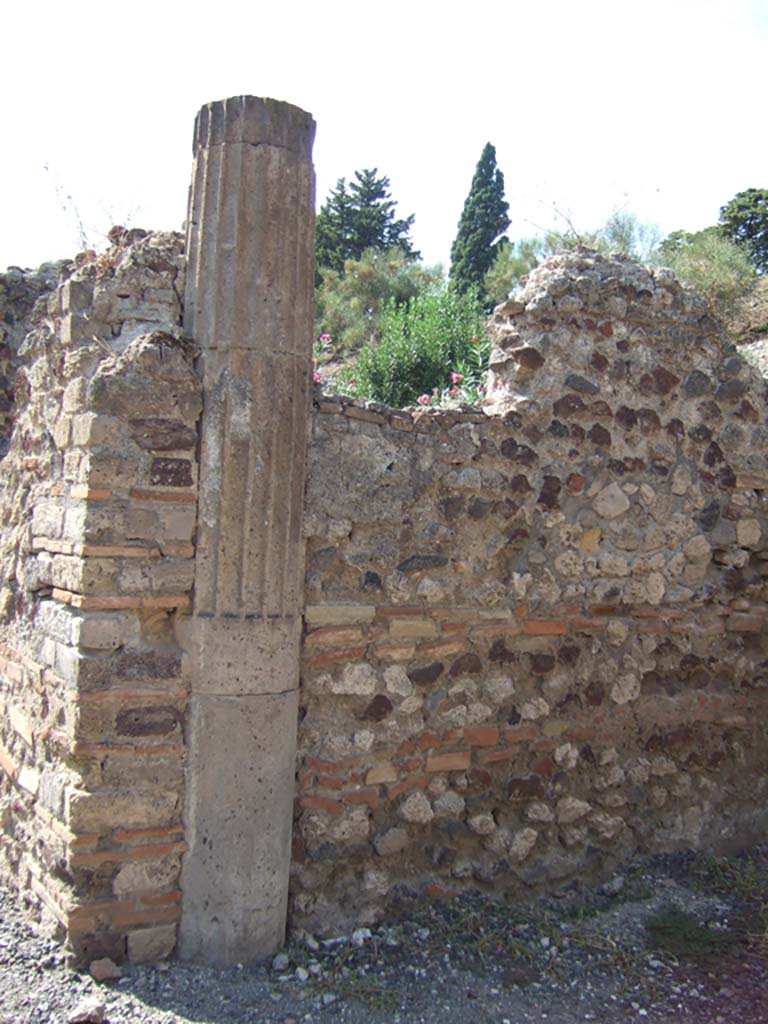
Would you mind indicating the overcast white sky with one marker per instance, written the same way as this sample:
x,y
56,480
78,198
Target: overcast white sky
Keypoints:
x,y
657,107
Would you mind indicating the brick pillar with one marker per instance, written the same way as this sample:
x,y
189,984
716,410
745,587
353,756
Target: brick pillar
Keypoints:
x,y
248,306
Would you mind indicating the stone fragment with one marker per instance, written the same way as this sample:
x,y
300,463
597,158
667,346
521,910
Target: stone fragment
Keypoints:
x,y
696,384
570,809
730,390
617,632
151,945
378,709
427,674
449,805
655,587
598,435
90,1010
590,540
525,787
538,811
397,682
606,825
611,502
549,496
415,563
161,435
534,709
567,755
466,664
625,689
393,841
358,680
416,809
104,970
528,357
171,472
748,533
482,824
664,380
576,382
522,843
681,480
697,549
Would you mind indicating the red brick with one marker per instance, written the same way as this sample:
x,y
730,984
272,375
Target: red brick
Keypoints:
x,y
482,736
496,629
369,797
544,766
520,733
395,652
161,900
413,764
395,612
456,762
584,624
317,764
405,785
336,656
333,636
440,648
132,853
142,835
494,756
428,741
90,493
582,732
330,782
126,918
321,803
406,747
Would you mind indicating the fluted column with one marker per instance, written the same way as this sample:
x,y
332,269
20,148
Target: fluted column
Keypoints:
x,y
248,306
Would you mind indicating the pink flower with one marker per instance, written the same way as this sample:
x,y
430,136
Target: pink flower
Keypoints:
x,y
317,378
325,337
424,400
453,392
457,378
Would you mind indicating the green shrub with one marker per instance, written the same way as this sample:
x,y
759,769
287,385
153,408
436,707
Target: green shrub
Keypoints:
x,y
422,344
348,306
714,266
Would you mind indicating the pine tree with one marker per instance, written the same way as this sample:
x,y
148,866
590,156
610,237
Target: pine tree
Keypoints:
x,y
358,217
484,220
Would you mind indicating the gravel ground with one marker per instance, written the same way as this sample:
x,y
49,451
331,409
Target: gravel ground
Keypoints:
x,y
677,939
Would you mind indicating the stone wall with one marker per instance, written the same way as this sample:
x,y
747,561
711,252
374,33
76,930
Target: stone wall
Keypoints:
x,y
535,642
98,498
20,290
529,644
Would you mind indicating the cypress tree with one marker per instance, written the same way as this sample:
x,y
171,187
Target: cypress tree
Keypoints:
x,y
484,220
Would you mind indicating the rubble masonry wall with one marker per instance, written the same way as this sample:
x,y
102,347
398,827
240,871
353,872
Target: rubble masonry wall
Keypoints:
x,y
535,641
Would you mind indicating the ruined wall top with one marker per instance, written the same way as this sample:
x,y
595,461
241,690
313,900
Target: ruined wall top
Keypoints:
x,y
605,328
